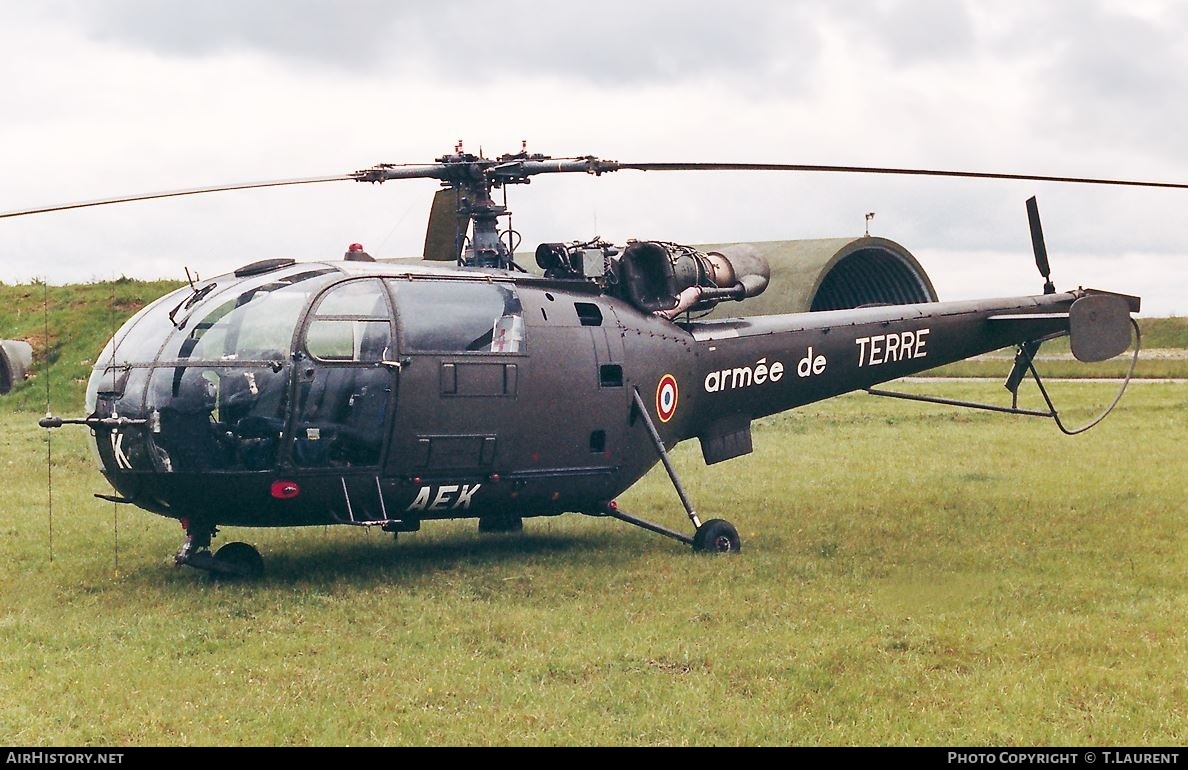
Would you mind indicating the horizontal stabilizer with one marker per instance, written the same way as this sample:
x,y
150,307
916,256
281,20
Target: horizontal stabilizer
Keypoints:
x,y
1133,304
1033,326
1028,316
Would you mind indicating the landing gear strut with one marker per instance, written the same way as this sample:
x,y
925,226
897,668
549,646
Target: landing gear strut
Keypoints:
x,y
713,536
233,560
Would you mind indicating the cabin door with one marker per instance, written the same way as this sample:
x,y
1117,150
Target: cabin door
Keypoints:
x,y
345,394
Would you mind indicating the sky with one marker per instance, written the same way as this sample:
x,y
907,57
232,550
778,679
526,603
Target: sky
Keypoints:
x,y
132,96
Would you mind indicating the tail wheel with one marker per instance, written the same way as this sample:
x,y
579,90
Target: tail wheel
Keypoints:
x,y
717,536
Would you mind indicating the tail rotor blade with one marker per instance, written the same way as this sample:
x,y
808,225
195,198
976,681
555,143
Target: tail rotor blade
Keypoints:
x,y
1037,245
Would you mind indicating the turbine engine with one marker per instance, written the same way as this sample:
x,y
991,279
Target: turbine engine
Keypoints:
x,y
669,279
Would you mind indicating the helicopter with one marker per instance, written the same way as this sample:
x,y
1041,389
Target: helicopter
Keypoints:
x,y
387,393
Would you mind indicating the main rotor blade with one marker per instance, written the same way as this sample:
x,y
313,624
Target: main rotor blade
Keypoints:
x,y
895,171
516,169
177,193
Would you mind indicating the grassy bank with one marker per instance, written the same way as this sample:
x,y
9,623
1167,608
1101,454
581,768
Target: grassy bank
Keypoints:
x,y
82,317
66,340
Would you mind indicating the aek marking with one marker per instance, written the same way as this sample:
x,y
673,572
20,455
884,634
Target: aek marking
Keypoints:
x,y
449,497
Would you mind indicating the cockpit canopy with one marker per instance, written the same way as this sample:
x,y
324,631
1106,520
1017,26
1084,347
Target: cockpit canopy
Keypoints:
x,y
292,361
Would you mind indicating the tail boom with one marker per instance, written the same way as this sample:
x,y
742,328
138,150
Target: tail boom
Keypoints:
x,y
754,367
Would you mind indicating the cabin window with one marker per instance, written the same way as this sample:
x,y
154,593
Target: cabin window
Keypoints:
x,y
350,323
139,340
343,398
459,317
336,339
364,299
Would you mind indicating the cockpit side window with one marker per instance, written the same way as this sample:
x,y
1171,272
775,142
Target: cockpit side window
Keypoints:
x,y
343,395
459,317
350,323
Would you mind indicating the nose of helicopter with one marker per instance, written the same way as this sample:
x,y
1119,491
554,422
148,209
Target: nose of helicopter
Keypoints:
x,y
205,370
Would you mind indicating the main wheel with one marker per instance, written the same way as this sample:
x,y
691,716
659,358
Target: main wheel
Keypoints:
x,y
717,536
237,560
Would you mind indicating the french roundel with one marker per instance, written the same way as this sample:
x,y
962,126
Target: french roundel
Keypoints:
x,y
666,397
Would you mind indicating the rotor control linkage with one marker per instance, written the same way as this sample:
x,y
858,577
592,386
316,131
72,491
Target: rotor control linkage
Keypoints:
x,y
472,178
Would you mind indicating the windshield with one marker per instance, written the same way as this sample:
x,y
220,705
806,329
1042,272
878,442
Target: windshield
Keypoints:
x,y
141,336
251,321
224,319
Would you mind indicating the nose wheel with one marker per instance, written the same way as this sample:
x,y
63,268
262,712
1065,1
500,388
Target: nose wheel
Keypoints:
x,y
237,560
233,560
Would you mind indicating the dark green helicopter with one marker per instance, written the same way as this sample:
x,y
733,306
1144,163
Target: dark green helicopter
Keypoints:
x,y
388,393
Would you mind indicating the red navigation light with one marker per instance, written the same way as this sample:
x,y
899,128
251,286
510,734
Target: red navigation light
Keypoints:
x,y
282,489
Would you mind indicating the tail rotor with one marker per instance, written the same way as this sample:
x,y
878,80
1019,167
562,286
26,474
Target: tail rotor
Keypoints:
x,y
1037,245
1026,352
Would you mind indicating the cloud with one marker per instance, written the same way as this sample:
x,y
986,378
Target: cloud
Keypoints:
x,y
131,96
1120,79
908,32
613,43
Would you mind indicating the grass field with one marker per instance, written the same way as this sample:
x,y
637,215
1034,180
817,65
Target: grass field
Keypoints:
x,y
910,575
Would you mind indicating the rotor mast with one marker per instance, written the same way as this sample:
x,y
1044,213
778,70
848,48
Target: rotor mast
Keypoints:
x,y
473,177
